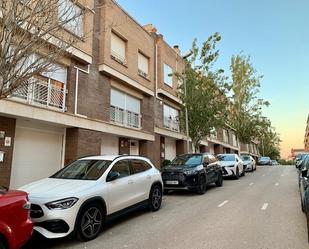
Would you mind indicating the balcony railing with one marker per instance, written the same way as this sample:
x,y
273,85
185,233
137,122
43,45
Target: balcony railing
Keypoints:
x,y
42,93
125,117
171,124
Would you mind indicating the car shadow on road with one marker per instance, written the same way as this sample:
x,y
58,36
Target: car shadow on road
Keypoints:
x,y
37,241
188,193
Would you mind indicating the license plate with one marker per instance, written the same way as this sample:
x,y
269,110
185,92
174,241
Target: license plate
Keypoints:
x,y
172,182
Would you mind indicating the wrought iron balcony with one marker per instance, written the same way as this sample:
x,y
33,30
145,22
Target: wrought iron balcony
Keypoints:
x,y
171,124
42,93
125,117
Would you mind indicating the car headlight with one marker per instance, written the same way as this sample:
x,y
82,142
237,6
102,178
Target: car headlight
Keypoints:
x,y
62,204
190,172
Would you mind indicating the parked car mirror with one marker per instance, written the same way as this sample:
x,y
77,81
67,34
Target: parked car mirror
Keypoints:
x,y
205,164
304,173
113,175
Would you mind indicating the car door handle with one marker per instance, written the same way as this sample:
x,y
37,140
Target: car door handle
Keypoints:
x,y
130,182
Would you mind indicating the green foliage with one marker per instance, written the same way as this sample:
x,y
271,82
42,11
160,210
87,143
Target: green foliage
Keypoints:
x,y
203,91
269,140
246,109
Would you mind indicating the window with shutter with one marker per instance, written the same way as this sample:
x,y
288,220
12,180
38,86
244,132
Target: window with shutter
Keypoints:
x,y
71,16
118,49
143,65
170,118
125,109
168,75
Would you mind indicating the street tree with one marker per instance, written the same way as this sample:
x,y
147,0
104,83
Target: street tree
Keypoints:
x,y
246,107
32,38
269,140
203,91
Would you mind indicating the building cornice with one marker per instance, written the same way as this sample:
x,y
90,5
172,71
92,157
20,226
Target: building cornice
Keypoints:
x,y
110,71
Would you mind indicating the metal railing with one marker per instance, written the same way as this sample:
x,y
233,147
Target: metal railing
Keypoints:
x,y
125,117
171,124
38,92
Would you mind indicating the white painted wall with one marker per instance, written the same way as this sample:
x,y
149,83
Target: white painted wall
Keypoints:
x,y
134,147
170,148
110,145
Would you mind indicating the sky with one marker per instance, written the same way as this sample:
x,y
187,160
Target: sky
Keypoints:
x,y
275,33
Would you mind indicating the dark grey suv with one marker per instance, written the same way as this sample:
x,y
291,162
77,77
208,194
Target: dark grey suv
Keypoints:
x,y
192,172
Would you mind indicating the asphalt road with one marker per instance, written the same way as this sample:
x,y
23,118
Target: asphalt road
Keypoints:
x,y
261,210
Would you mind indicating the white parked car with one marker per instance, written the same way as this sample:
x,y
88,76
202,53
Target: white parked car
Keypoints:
x,y
232,165
80,197
249,163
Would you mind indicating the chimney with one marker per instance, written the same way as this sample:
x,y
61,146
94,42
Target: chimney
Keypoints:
x,y
150,28
176,49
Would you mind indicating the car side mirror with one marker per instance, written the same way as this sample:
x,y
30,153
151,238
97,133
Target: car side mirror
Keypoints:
x,y
205,164
304,173
113,175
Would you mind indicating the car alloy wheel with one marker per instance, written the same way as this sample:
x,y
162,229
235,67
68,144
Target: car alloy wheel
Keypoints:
x,y
219,182
237,173
155,198
2,244
90,222
202,187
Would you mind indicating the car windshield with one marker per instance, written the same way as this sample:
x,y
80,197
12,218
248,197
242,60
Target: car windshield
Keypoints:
x,y
83,170
226,158
264,158
245,158
187,161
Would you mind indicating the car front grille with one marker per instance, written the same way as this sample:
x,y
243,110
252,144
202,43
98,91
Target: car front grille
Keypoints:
x,y
36,211
171,176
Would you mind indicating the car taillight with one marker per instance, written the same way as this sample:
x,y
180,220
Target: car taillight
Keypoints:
x,y
27,205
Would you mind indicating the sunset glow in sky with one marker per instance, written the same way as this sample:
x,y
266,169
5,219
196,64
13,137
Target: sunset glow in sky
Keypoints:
x,y
275,33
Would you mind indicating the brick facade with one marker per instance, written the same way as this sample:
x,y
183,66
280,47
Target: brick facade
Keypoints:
x,y
8,126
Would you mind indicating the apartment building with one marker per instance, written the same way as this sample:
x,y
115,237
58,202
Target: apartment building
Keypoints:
x,y
115,93
250,149
170,140
223,141
33,120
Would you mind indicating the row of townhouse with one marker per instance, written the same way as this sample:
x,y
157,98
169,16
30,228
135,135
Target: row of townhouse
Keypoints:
x,y
116,93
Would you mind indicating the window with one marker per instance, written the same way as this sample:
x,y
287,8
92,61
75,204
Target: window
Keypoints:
x,y
234,140
47,89
143,65
125,109
170,118
118,49
139,166
71,16
168,75
225,136
121,167
83,170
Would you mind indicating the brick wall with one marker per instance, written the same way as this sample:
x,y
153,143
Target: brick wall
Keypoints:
x,y
8,126
81,142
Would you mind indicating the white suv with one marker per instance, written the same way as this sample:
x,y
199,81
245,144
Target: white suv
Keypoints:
x,y
232,165
79,197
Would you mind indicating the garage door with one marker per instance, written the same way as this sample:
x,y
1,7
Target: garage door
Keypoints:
x,y
170,148
37,154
